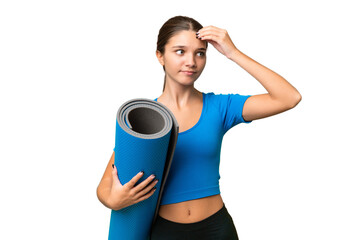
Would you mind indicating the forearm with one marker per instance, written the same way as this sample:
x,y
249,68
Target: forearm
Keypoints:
x,y
103,192
277,87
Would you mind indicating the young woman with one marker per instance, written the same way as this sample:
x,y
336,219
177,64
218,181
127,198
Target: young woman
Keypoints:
x,y
191,205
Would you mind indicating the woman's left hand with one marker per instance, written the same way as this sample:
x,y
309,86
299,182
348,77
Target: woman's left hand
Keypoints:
x,y
219,38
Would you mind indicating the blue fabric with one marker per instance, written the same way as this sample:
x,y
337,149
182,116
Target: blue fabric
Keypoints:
x,y
194,172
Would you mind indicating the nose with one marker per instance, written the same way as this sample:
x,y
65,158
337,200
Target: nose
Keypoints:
x,y
190,61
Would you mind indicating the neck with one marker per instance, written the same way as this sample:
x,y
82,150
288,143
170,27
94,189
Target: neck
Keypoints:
x,y
178,95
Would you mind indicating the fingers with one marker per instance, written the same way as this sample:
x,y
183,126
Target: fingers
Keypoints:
x,y
219,38
134,180
115,176
146,196
211,36
146,188
211,33
143,190
144,183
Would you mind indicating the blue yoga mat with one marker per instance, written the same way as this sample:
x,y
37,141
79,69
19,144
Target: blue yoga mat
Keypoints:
x,y
145,140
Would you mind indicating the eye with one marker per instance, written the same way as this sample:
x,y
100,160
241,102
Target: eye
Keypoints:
x,y
201,54
179,52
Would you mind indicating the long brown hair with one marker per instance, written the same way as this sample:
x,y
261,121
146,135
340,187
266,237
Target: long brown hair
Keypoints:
x,y
171,27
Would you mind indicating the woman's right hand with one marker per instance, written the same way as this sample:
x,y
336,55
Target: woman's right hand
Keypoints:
x,y
122,196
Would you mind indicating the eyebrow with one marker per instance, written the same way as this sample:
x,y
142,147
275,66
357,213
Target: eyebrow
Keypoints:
x,y
181,46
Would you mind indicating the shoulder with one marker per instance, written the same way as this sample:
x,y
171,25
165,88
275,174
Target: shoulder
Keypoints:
x,y
217,101
222,98
214,97
226,102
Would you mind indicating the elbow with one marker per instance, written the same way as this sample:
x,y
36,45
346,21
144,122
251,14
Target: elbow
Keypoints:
x,y
295,99
99,195
102,195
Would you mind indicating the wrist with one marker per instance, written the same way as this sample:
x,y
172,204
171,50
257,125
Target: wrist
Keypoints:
x,y
110,202
234,55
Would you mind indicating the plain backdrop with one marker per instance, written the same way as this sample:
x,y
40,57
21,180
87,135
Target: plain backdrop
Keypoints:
x,y
67,66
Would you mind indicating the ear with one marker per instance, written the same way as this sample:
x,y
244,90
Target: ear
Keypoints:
x,y
160,57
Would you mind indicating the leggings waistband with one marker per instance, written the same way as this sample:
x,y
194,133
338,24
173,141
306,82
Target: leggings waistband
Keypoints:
x,y
221,214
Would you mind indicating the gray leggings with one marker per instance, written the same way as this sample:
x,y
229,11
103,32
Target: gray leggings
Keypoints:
x,y
218,226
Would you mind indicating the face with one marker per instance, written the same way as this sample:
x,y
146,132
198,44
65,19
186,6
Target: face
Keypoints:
x,y
184,58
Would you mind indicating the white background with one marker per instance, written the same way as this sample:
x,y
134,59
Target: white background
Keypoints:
x,y
66,66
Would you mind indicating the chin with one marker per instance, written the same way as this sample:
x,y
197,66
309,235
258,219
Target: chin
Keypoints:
x,y
187,83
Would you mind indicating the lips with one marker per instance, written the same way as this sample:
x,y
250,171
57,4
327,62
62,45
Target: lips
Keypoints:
x,y
189,72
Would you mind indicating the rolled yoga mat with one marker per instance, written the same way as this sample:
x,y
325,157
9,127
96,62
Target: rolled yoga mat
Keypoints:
x,y
145,140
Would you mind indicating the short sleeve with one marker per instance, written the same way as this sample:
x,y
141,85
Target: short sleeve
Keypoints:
x,y
232,109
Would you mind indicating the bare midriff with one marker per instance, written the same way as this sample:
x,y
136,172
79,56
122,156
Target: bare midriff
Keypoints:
x,y
193,210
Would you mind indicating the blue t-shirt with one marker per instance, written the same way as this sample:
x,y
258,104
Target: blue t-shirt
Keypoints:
x,y
194,171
